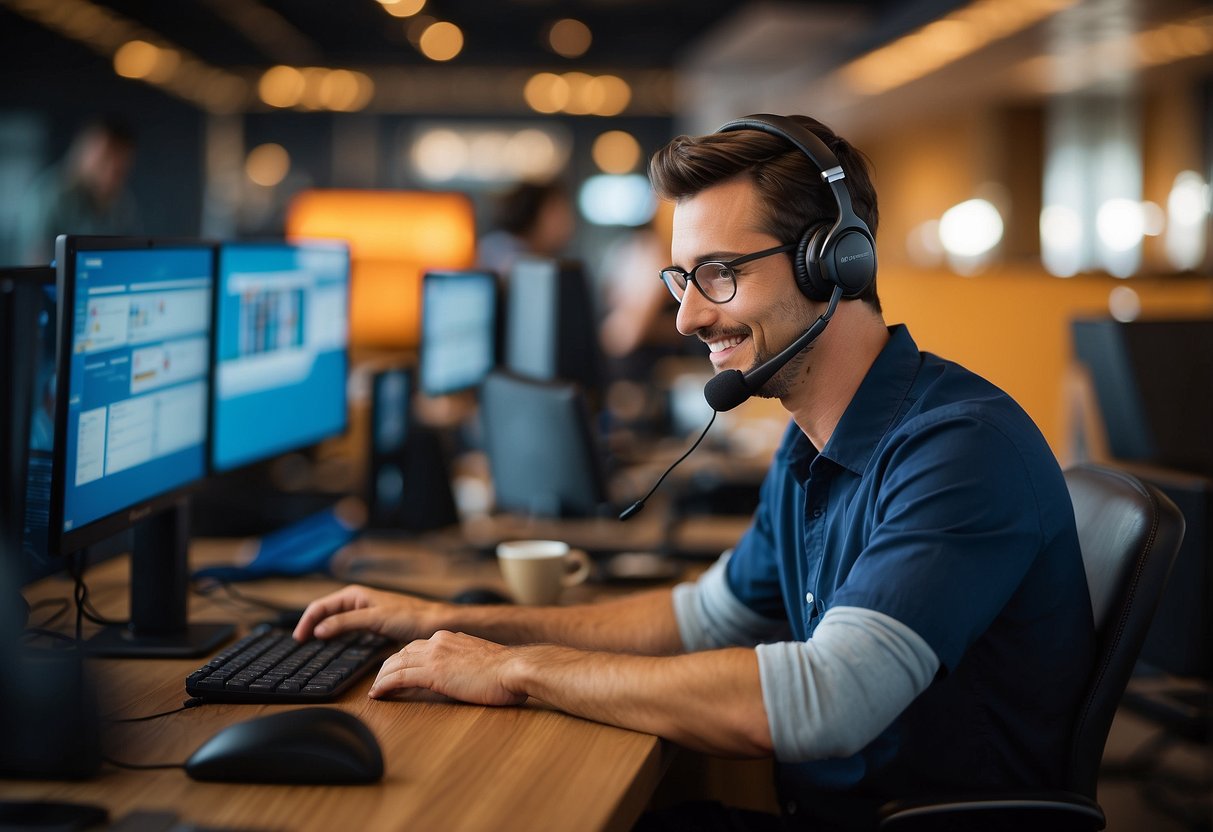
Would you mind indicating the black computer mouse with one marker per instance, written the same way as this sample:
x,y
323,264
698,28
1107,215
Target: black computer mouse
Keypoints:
x,y
480,595
306,745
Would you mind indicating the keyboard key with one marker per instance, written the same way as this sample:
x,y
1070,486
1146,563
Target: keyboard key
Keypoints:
x,y
269,666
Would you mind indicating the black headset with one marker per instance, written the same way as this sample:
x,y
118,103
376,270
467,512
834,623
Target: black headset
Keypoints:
x,y
827,256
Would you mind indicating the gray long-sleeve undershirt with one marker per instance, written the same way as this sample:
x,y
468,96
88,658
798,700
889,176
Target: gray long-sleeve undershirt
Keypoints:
x,y
826,697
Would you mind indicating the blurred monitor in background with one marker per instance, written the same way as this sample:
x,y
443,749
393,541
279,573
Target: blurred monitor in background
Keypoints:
x,y
550,332
541,448
27,388
1153,381
458,330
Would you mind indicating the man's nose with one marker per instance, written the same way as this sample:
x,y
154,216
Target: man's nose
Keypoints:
x,y
695,312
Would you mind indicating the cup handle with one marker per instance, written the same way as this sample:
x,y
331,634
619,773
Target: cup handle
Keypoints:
x,y
579,561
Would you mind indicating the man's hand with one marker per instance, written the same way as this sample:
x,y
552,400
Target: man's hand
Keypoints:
x,y
457,665
399,617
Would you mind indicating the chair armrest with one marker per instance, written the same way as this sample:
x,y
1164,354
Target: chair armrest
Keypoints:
x,y
1039,811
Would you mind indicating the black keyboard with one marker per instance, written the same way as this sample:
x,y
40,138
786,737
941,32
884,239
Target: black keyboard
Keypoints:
x,y
269,666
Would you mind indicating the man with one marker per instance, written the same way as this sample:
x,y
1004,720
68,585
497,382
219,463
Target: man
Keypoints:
x,y
86,193
912,576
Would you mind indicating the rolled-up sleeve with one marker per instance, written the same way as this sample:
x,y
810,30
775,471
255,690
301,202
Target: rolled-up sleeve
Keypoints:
x,y
710,616
832,695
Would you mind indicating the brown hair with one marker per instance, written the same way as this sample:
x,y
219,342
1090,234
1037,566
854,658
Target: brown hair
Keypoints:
x,y
790,184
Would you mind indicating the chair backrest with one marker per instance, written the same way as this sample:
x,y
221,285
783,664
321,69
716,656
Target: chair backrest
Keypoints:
x,y
1129,532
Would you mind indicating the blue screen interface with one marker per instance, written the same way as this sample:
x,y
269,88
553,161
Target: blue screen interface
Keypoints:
x,y
137,378
458,330
281,337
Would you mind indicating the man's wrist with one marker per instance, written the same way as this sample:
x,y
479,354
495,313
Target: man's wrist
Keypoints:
x,y
521,672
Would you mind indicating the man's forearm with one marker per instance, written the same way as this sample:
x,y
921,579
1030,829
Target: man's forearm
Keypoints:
x,y
709,701
642,623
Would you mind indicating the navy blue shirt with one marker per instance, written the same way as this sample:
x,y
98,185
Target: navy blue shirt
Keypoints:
x,y
936,502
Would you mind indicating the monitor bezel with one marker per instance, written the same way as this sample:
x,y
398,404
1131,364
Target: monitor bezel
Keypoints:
x,y
435,275
212,404
67,247
17,381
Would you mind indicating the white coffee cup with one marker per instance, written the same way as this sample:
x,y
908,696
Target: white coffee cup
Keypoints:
x,y
537,571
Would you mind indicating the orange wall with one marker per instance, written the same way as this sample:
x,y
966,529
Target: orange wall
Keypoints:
x,y
1011,325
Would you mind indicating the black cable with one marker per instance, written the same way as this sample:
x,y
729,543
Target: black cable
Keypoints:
x,y
84,607
79,592
140,766
634,509
207,591
32,633
63,604
193,702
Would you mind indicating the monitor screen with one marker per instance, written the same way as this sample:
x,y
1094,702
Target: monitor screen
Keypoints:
x,y
1153,381
541,449
550,332
133,372
458,330
281,334
27,356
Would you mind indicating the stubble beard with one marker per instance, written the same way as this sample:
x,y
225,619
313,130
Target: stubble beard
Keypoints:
x,y
780,384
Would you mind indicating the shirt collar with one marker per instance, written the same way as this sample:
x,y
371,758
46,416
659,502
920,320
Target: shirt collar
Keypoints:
x,y
876,403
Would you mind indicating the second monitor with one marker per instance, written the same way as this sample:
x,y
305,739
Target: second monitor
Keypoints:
x,y
458,330
281,330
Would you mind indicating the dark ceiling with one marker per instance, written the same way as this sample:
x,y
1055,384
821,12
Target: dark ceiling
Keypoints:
x,y
627,34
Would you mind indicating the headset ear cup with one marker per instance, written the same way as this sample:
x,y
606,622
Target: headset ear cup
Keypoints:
x,y
854,259
807,264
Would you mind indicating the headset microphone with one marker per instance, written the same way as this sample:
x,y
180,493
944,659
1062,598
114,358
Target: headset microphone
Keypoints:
x,y
732,387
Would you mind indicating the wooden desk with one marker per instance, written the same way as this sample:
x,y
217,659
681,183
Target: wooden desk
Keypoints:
x,y
448,766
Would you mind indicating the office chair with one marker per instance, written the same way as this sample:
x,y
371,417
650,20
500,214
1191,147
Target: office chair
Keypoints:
x,y
1129,533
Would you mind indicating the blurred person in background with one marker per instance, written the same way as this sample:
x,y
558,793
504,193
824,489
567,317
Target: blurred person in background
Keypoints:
x,y
530,218
86,193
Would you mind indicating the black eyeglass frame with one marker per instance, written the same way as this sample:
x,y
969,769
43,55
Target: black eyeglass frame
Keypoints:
x,y
671,275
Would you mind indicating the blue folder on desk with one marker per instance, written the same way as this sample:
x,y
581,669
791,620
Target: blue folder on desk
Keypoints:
x,y
301,548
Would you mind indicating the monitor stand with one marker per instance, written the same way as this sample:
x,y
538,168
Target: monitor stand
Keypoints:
x,y
159,626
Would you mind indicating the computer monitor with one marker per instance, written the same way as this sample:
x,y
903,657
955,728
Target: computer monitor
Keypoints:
x,y
1153,380
550,332
27,367
134,368
281,335
458,330
541,449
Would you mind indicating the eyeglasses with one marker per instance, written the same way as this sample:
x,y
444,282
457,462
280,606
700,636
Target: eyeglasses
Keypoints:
x,y
715,281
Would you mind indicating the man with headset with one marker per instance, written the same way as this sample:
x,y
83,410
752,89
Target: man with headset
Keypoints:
x,y
907,612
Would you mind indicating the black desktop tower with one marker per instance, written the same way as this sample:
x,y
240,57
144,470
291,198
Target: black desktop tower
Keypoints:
x,y
408,484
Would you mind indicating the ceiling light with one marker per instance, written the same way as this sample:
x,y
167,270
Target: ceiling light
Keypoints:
x,y
281,86
616,95
441,41
135,59
1060,240
1120,223
267,165
616,152
569,38
403,8
546,92
948,39
971,228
